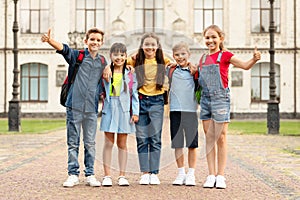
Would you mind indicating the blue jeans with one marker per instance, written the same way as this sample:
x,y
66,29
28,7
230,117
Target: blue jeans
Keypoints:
x,y
148,132
88,122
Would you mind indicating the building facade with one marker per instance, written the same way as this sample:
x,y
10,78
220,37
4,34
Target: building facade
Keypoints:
x,y
245,23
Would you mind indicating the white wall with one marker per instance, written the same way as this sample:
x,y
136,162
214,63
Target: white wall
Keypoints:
x,y
238,39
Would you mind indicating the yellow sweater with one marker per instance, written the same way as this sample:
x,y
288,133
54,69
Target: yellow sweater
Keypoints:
x,y
149,87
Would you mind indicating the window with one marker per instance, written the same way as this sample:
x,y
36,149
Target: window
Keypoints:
x,y
89,13
260,15
260,80
34,82
149,15
34,16
207,12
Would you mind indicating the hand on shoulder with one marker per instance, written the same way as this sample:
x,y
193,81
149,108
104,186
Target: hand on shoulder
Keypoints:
x,y
107,73
192,67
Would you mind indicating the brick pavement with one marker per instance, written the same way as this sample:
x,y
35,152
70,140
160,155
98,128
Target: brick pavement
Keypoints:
x,y
258,167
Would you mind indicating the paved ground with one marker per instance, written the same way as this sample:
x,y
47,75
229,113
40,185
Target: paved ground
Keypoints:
x,y
258,167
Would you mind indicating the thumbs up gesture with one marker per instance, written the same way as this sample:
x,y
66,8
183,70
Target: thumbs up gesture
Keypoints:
x,y
256,54
46,37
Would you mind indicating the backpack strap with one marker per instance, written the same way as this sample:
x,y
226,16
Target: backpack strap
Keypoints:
x,y
80,56
170,74
130,84
202,61
78,62
102,60
204,58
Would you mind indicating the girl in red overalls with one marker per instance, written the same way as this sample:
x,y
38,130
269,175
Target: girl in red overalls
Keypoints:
x,y
215,101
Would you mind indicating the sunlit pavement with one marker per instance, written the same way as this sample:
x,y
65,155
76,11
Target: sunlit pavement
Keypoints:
x,y
258,167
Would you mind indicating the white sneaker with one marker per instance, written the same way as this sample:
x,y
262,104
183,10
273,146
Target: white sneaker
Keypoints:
x,y
145,179
92,181
180,180
123,181
210,181
190,180
71,181
107,182
154,180
220,182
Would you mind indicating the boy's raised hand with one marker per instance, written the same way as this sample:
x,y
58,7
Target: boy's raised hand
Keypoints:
x,y
46,37
256,54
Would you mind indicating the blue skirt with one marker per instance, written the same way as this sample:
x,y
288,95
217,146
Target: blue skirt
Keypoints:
x,y
116,121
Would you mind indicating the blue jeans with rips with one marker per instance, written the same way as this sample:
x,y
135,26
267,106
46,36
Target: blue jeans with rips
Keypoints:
x,y
148,132
88,122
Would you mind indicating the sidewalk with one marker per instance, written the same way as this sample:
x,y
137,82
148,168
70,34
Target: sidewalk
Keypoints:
x,y
258,167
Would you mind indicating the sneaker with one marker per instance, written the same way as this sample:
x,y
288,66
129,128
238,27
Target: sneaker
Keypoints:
x,y
190,180
71,181
154,180
180,180
210,182
92,181
123,181
145,179
107,182
220,182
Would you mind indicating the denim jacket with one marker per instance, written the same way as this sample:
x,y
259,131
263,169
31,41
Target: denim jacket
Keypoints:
x,y
84,92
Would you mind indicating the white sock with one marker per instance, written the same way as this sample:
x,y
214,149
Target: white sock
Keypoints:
x,y
191,171
181,170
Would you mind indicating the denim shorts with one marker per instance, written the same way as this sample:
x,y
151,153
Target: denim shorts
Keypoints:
x,y
215,106
184,124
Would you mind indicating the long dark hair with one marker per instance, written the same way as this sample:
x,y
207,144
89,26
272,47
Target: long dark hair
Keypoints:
x,y
116,48
140,59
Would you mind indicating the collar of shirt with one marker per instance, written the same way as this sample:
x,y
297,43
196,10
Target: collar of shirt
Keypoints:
x,y
183,68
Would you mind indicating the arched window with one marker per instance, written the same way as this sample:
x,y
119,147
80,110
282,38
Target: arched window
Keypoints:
x,y
260,81
34,82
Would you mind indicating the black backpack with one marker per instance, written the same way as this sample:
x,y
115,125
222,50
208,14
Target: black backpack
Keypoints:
x,y
66,85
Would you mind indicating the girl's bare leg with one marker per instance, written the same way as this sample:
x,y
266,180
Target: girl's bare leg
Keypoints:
x,y
122,153
107,151
222,146
209,130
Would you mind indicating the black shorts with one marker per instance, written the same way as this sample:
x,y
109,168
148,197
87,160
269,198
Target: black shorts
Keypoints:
x,y
184,124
